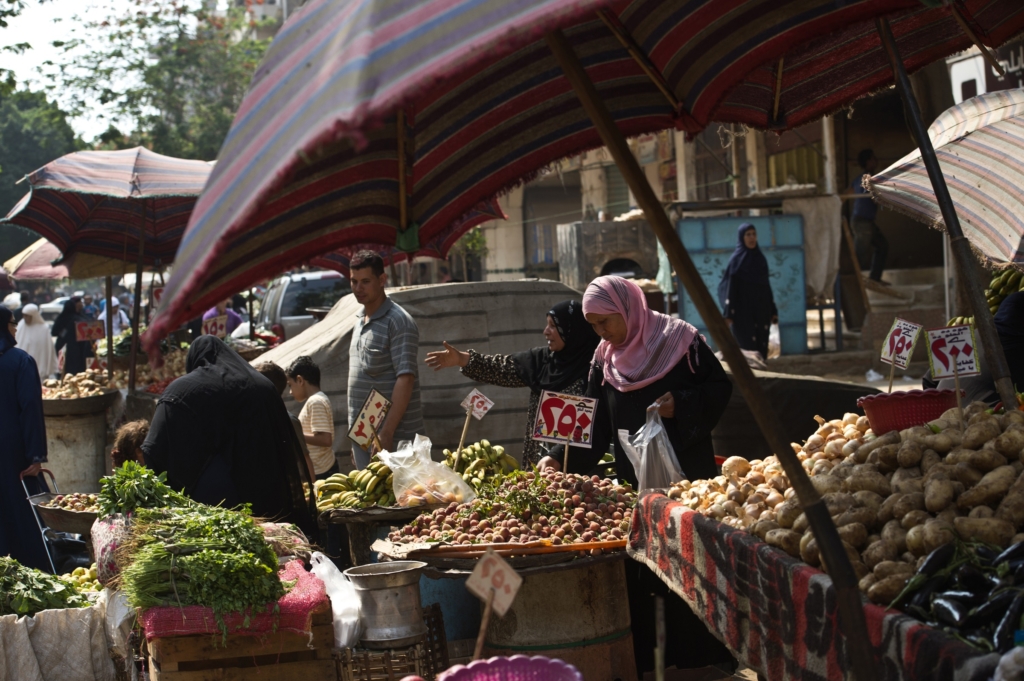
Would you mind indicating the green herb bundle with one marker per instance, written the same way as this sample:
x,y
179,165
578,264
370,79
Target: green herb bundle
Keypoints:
x,y
202,555
25,591
133,486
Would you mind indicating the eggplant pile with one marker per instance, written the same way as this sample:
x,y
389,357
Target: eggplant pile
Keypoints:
x,y
970,590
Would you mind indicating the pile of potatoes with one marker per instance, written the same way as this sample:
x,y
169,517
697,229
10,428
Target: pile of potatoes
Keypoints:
x,y
894,498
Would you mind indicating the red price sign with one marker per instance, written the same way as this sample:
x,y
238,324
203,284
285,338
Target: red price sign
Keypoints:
x,y
375,408
564,417
951,351
158,295
492,573
479,403
216,326
899,343
89,331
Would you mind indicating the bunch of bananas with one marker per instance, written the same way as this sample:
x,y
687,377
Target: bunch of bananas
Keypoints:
x,y
371,486
480,462
1003,284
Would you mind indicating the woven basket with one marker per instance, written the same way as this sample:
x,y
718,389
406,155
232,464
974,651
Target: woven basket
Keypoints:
x,y
515,668
898,411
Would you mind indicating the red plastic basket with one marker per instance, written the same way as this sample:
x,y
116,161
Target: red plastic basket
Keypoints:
x,y
897,411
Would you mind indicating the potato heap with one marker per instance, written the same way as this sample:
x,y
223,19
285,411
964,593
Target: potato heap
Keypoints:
x,y
894,498
73,386
76,501
527,506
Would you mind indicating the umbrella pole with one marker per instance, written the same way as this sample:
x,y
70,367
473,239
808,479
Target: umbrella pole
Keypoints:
x,y
958,242
110,329
859,651
138,304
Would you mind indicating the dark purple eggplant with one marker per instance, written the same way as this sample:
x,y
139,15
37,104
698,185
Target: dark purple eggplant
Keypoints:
x,y
1008,626
937,559
986,555
968,598
1012,553
922,598
990,611
949,611
970,578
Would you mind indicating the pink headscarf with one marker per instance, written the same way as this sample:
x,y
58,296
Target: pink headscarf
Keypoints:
x,y
654,342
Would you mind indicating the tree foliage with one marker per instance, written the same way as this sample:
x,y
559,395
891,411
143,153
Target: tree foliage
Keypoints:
x,y
33,132
170,73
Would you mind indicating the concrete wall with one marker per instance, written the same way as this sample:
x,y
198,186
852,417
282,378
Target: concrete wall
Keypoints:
x,y
505,247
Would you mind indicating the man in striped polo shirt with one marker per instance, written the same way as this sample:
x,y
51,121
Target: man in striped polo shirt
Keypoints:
x,y
382,356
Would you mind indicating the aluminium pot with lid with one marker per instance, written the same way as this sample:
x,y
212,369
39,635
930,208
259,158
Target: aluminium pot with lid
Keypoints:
x,y
389,600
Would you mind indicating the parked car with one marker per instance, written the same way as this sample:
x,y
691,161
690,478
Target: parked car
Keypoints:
x,y
285,308
50,310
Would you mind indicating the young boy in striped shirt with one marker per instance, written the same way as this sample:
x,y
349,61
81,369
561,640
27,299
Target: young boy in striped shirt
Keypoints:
x,y
317,417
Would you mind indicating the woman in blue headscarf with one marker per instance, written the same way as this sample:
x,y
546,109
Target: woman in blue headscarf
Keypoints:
x,y
746,294
22,448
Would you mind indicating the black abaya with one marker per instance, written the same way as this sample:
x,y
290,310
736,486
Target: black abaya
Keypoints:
x,y
745,294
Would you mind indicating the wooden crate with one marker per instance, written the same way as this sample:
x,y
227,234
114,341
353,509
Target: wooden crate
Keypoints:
x,y
279,656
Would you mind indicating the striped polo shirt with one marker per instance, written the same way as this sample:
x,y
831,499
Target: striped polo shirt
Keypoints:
x,y
384,347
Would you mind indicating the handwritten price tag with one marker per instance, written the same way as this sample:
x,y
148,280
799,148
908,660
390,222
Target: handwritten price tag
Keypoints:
x,y
950,347
216,326
375,408
899,344
493,573
89,331
561,417
479,403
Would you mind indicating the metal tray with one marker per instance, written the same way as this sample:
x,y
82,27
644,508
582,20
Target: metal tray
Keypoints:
x,y
63,520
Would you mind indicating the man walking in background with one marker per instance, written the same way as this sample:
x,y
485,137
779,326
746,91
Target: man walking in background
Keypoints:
x,y
382,356
869,242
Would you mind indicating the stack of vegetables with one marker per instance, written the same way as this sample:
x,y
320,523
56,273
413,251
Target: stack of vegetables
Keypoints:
x,y
25,591
133,486
525,506
371,486
895,498
73,386
1003,284
480,462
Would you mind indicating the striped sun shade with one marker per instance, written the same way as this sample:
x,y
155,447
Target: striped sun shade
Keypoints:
x,y
311,163
91,202
980,146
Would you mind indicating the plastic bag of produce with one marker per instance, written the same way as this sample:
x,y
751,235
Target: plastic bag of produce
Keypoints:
x,y
419,481
651,454
348,626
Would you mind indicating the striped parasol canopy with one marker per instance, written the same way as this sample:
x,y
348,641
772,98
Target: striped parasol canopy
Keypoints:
x,y
371,121
980,147
92,202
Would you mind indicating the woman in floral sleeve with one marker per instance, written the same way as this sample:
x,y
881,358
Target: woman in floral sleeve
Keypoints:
x,y
562,365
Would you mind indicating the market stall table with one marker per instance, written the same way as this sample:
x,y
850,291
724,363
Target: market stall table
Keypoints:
x,y
777,614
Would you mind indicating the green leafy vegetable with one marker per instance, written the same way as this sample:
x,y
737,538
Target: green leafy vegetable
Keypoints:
x,y
133,486
25,591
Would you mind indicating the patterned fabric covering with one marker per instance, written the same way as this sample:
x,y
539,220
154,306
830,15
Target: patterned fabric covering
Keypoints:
x,y
501,370
295,612
777,614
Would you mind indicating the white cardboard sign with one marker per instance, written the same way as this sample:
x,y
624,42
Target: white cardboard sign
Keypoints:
x,y
479,403
561,417
216,326
492,572
375,408
900,341
953,345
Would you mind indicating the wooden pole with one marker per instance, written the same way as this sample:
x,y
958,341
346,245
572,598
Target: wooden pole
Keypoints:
x,y
132,370
478,650
958,242
892,372
110,329
859,650
252,320
462,440
565,456
956,384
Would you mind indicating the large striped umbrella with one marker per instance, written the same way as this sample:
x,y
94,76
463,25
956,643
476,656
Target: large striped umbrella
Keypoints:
x,y
980,146
380,122
93,202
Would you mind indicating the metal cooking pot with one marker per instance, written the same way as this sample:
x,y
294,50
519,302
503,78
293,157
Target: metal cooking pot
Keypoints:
x,y
389,596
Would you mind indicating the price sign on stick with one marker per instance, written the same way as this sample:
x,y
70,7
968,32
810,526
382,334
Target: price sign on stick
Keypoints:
x,y
899,343
216,326
952,353
496,583
564,419
375,408
478,403
89,331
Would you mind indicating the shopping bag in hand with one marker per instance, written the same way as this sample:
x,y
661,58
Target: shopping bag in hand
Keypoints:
x,y
651,454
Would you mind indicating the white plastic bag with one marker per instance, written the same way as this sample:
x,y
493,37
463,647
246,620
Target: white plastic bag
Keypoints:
x,y
120,620
348,626
420,481
651,454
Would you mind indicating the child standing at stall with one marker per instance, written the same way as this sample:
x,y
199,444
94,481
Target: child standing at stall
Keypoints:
x,y
317,416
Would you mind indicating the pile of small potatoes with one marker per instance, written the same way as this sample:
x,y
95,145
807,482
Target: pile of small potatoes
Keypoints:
x,y
894,498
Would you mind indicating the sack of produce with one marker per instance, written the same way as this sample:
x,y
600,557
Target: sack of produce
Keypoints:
x,y
651,454
348,626
419,481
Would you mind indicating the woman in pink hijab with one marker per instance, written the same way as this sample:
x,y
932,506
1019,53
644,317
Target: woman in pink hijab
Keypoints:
x,y
648,358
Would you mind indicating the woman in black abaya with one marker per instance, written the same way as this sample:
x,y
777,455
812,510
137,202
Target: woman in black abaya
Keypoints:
x,y
75,351
746,293
222,434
